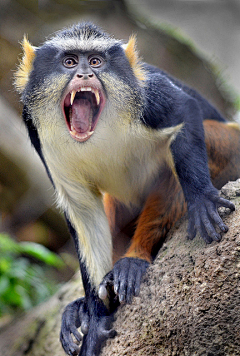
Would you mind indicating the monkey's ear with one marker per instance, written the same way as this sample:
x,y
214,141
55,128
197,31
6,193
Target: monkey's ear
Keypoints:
x,y
25,66
132,55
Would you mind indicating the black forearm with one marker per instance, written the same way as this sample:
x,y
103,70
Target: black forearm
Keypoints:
x,y
189,152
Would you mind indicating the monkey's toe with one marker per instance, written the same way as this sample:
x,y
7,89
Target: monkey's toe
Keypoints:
x,y
73,317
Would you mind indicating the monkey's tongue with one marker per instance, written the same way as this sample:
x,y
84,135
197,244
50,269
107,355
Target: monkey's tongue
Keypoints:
x,y
81,116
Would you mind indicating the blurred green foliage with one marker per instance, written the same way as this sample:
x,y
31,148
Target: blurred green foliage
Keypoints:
x,y
23,280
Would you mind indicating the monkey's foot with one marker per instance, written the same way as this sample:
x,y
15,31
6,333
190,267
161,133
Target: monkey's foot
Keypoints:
x,y
94,319
125,278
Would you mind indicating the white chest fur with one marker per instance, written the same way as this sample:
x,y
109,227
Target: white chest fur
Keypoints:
x,y
122,160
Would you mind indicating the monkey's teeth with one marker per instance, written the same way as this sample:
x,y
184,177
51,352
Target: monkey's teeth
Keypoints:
x,y
73,93
94,91
81,136
97,96
86,89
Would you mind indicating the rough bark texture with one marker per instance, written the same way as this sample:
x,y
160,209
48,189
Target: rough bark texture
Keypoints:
x,y
190,300
189,303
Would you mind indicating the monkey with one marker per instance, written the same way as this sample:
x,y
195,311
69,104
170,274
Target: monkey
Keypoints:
x,y
129,150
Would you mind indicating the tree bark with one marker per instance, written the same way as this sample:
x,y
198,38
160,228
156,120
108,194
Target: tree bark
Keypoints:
x,y
189,302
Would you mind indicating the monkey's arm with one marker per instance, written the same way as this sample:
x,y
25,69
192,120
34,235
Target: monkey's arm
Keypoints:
x,y
169,105
88,313
89,228
190,158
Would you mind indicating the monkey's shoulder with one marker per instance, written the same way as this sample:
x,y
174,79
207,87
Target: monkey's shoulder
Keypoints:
x,y
166,98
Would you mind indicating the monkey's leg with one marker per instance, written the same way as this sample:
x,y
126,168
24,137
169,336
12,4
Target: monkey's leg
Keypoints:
x,y
223,149
164,206
88,313
122,222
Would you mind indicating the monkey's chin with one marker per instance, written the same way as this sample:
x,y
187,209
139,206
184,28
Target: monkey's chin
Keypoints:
x,y
82,107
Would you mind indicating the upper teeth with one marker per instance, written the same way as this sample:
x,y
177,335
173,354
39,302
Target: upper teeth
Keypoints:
x,y
94,91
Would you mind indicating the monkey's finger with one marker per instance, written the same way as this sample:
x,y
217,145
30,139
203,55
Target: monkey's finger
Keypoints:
x,y
122,287
130,289
76,333
204,234
118,277
137,273
201,228
191,231
209,229
213,213
137,284
225,203
68,345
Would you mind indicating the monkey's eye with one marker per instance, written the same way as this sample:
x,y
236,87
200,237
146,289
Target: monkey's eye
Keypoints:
x,y
70,61
95,62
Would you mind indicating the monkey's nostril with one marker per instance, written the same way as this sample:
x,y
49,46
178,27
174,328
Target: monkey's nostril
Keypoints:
x,y
85,76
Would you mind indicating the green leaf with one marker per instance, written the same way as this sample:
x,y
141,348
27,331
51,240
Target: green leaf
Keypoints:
x,y
22,282
4,284
18,268
7,244
25,299
12,297
41,253
5,264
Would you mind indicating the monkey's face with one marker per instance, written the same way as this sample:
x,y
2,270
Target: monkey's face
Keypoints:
x,y
81,81
84,98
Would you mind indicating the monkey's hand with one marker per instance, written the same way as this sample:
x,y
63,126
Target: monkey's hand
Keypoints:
x,y
124,279
95,321
204,218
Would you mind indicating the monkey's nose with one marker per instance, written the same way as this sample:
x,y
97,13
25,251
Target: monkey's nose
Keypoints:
x,y
85,76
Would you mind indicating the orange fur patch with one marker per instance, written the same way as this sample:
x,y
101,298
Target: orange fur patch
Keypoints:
x,y
163,208
25,66
223,148
132,55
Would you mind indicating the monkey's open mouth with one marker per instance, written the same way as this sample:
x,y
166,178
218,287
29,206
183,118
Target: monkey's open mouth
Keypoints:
x,y
82,108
